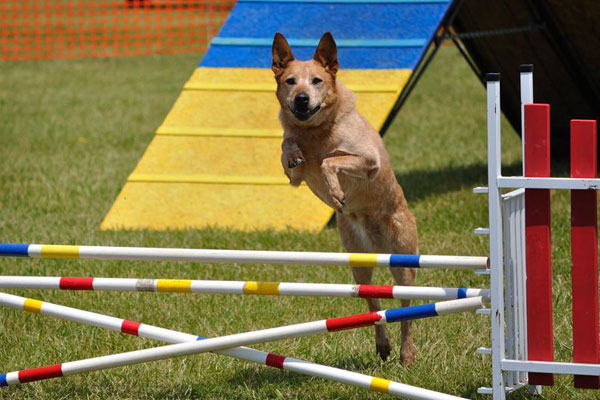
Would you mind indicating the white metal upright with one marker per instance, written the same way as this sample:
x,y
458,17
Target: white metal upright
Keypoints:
x,y
526,78
495,226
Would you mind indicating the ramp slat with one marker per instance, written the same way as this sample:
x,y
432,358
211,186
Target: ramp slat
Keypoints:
x,y
161,206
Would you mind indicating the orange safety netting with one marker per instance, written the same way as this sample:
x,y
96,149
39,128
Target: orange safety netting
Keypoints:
x,y
38,29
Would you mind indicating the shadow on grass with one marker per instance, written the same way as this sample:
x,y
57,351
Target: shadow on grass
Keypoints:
x,y
277,378
362,362
267,376
420,184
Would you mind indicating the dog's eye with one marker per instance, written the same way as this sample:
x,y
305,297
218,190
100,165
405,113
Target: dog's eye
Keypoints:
x,y
316,81
290,81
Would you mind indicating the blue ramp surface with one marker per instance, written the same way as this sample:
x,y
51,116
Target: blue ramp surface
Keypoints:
x,y
370,35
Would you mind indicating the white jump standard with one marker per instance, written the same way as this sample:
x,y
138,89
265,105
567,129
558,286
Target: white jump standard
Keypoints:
x,y
522,345
242,256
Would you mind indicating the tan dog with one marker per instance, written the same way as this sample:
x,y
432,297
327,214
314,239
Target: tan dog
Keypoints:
x,y
328,144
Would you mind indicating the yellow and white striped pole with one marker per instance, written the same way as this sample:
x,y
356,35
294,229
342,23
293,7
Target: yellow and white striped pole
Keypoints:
x,y
239,287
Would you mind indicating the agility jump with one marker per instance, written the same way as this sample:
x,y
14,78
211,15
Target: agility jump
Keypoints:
x,y
466,299
520,280
470,298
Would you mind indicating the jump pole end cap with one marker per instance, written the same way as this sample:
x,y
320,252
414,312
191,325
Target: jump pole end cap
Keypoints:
x,y
526,68
492,77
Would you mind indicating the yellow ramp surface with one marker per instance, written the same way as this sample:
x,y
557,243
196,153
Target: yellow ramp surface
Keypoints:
x,y
215,160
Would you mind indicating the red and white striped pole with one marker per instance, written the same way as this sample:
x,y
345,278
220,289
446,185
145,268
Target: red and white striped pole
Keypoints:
x,y
170,336
247,338
240,287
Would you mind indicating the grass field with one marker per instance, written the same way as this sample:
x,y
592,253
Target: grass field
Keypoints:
x,y
71,132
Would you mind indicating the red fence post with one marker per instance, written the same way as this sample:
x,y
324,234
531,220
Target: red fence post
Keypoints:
x,y
584,252
540,345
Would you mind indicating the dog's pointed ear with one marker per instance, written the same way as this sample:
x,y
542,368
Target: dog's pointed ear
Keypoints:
x,y
282,54
326,53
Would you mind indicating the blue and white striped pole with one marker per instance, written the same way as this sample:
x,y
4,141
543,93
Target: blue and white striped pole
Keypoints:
x,y
243,256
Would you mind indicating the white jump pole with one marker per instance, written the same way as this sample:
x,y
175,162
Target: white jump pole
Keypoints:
x,y
247,338
171,336
240,287
242,256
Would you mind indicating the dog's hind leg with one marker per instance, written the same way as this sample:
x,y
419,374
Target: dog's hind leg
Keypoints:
x,y
363,276
354,243
403,237
406,277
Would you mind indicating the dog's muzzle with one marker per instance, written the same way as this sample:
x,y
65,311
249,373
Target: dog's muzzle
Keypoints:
x,y
301,108
304,115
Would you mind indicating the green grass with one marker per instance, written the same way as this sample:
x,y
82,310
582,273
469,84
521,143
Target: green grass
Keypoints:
x,y
71,132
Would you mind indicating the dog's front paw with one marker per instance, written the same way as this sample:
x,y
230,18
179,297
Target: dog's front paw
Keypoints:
x,y
338,198
295,158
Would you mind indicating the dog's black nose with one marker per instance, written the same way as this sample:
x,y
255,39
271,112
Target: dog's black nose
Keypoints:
x,y
301,101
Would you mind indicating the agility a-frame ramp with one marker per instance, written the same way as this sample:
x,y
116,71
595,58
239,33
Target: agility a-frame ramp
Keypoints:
x,y
214,161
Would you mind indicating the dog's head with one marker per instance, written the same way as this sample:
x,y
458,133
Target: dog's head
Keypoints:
x,y
305,89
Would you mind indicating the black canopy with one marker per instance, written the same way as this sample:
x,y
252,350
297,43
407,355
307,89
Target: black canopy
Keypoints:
x,y
560,38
